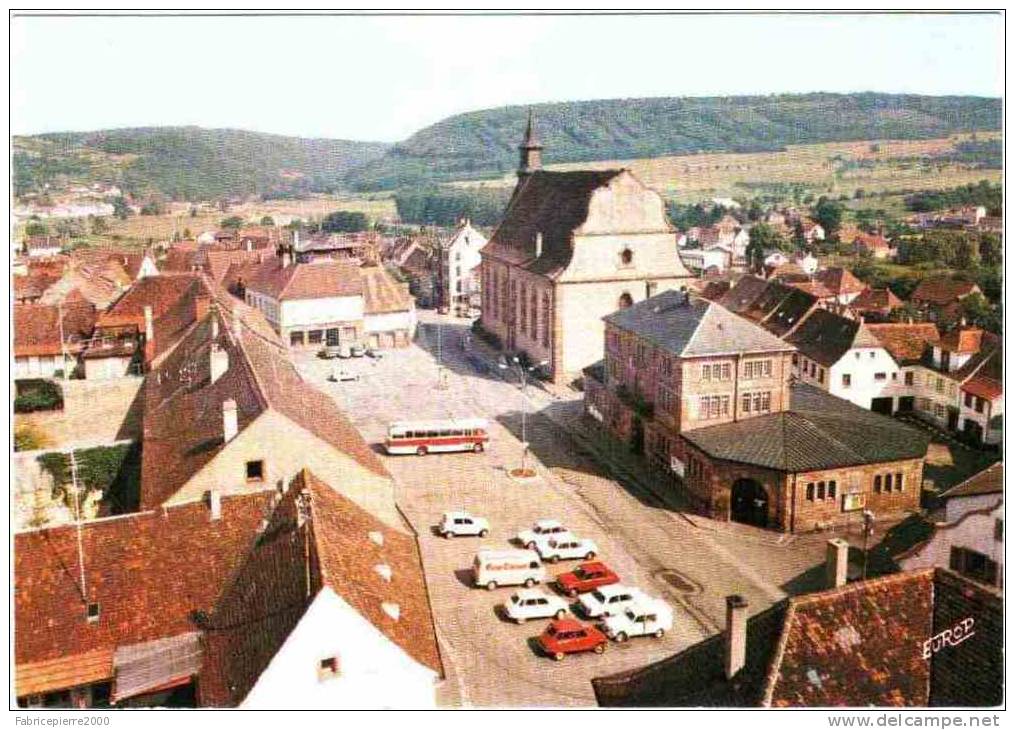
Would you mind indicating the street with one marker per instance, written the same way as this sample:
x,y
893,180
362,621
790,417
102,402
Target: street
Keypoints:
x,y
691,562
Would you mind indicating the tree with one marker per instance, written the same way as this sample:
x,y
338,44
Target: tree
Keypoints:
x,y
99,226
828,214
267,221
36,228
121,209
193,211
233,221
990,249
763,238
344,221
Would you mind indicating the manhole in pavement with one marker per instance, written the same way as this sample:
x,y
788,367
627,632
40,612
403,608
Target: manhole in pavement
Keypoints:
x,y
677,581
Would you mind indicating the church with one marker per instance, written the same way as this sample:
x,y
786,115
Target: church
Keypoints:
x,y
572,248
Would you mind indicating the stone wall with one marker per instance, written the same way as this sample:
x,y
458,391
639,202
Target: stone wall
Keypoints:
x,y
94,412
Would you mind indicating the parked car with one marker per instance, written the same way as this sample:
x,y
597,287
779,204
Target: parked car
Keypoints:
x,y
642,618
332,351
462,524
586,577
567,636
609,600
530,603
493,568
541,533
478,364
375,353
342,376
357,350
567,547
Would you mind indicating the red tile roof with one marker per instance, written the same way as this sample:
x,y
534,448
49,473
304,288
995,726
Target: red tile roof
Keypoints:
x,y
881,300
158,292
963,340
381,293
942,291
217,263
814,288
323,278
905,342
840,281
37,328
147,571
871,241
857,645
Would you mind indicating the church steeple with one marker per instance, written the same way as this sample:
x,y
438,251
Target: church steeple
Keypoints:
x,y
530,150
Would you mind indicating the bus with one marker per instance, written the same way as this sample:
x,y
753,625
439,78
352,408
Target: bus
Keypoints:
x,y
424,437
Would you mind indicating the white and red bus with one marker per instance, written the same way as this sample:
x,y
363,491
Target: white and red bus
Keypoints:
x,y
424,437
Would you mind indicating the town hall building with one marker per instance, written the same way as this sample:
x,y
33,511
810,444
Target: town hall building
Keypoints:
x,y
573,247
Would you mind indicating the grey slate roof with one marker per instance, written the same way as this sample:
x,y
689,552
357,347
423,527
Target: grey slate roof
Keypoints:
x,y
988,481
743,294
697,328
820,431
825,337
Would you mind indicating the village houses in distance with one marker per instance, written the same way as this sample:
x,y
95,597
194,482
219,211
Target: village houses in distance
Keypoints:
x,y
270,467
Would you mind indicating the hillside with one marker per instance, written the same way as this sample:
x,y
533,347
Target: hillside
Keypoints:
x,y
187,163
483,144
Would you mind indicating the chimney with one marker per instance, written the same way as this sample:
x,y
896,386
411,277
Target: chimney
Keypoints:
x,y
149,324
230,426
214,503
836,562
539,245
202,304
735,636
218,362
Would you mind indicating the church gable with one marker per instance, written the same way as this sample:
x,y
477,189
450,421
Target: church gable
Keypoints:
x,y
625,205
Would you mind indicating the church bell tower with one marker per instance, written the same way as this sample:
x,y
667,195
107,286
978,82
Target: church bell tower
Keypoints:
x,y
530,157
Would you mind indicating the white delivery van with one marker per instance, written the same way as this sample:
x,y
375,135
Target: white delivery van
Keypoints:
x,y
493,568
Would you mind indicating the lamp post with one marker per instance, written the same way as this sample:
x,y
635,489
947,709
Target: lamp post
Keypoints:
x,y
522,371
868,530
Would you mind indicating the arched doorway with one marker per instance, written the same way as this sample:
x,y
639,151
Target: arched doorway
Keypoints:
x,y
749,503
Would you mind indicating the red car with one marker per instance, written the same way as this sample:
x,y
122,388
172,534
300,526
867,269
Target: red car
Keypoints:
x,y
568,636
586,577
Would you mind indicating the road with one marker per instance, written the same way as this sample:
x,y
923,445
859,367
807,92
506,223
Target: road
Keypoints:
x,y
692,563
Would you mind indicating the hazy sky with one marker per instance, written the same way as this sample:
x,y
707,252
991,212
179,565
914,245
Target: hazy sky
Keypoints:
x,y
372,78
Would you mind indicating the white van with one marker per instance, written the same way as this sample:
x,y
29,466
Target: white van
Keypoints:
x,y
493,568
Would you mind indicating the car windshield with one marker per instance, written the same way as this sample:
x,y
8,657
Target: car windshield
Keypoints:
x,y
598,595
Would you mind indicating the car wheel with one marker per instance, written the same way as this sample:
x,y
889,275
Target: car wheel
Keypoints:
x,y
559,656
554,558
531,545
561,613
621,637
478,448
529,582
589,555
491,585
448,535
421,451
659,633
484,533
600,648
572,593
519,621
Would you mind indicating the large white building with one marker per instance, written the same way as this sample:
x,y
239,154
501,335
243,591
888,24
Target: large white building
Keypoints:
x,y
458,266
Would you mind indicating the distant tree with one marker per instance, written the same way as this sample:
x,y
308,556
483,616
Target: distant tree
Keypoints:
x,y
908,311
345,221
267,221
754,211
121,209
763,238
828,214
152,207
233,221
978,311
36,228
808,199
99,225
193,211
990,249
70,228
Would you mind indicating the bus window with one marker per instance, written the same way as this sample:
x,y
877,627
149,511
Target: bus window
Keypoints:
x,y
431,434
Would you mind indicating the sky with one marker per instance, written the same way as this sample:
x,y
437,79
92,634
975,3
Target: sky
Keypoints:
x,y
383,78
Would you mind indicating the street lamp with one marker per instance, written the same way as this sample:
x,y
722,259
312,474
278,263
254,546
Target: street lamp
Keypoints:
x,y
868,530
522,371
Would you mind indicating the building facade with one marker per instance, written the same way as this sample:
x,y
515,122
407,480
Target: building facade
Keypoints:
x,y
573,247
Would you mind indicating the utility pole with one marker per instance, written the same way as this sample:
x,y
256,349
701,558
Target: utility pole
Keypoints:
x,y
868,530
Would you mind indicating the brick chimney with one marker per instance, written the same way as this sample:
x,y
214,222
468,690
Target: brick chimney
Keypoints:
x,y
230,426
218,363
836,562
735,635
202,303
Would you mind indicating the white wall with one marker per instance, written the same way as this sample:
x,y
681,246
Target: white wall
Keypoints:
x,y
975,532
374,672
308,312
862,364
391,322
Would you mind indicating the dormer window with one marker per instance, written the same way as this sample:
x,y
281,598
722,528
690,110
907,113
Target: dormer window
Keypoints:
x,y
328,668
92,613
